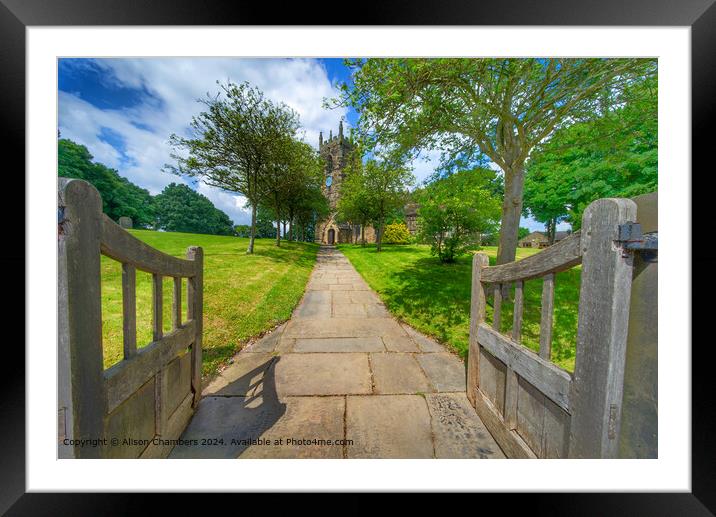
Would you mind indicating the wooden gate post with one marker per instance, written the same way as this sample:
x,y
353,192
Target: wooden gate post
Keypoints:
x,y
477,316
195,305
81,386
602,331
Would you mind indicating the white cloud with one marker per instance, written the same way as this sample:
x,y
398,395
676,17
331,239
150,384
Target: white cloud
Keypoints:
x,y
173,86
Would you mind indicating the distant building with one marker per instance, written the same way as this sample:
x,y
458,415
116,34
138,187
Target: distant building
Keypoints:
x,y
540,239
411,217
335,153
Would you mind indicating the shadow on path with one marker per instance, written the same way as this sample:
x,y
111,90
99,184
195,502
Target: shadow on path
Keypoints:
x,y
226,422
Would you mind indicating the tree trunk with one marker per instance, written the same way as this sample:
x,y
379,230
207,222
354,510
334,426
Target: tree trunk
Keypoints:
x,y
252,233
511,212
552,230
362,234
278,232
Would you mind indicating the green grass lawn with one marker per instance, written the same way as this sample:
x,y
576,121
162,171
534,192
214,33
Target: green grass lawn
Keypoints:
x,y
244,295
435,298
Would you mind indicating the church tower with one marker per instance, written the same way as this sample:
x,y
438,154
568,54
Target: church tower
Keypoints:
x,y
335,153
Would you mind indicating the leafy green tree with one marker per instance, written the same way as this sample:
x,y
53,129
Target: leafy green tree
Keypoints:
x,y
381,186
120,197
264,223
455,210
476,110
180,209
523,232
292,183
242,230
233,143
614,155
354,203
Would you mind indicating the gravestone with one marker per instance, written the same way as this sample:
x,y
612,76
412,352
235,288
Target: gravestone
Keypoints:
x,y
125,222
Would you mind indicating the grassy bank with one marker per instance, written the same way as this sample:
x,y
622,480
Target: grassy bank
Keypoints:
x,y
435,297
244,295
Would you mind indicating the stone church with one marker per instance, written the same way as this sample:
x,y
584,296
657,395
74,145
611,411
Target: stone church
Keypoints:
x,y
335,153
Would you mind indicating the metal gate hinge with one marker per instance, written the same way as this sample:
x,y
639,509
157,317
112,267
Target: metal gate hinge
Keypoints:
x,y
631,238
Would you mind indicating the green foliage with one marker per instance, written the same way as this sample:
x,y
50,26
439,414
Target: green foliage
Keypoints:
x,y
120,197
396,233
479,110
238,143
242,230
292,188
615,155
455,210
373,192
180,209
523,232
265,223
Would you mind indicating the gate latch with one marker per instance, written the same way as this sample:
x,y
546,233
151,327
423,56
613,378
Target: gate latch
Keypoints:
x,y
631,238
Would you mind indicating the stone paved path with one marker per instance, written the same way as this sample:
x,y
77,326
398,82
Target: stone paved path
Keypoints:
x,y
340,369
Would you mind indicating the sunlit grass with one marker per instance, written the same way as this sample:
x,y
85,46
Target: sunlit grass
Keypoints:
x,y
435,297
244,295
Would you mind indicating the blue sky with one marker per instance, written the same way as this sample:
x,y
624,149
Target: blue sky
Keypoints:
x,y
124,110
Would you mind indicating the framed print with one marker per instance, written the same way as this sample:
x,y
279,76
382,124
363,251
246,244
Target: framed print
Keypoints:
x,y
375,251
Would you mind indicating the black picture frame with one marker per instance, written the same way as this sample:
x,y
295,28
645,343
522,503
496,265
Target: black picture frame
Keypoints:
x,y
700,15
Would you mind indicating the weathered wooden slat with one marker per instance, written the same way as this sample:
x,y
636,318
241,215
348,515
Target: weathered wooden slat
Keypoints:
x,y
511,399
195,304
601,331
559,257
129,310
80,384
477,316
555,437
545,326
160,406
492,379
176,303
497,307
517,312
157,307
511,386
174,427
125,377
554,382
509,441
530,419
122,246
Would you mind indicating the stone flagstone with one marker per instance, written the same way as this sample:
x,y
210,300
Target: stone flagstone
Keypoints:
x,y
340,369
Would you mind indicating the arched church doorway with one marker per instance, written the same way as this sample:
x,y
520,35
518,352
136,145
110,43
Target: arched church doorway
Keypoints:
x,y
331,236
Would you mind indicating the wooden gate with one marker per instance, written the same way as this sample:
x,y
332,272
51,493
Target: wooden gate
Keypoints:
x,y
139,405
532,407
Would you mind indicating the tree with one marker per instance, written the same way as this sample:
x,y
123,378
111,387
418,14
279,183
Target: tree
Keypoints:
x,y
233,142
455,210
478,110
264,223
181,209
354,201
372,191
242,230
292,182
614,155
120,197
